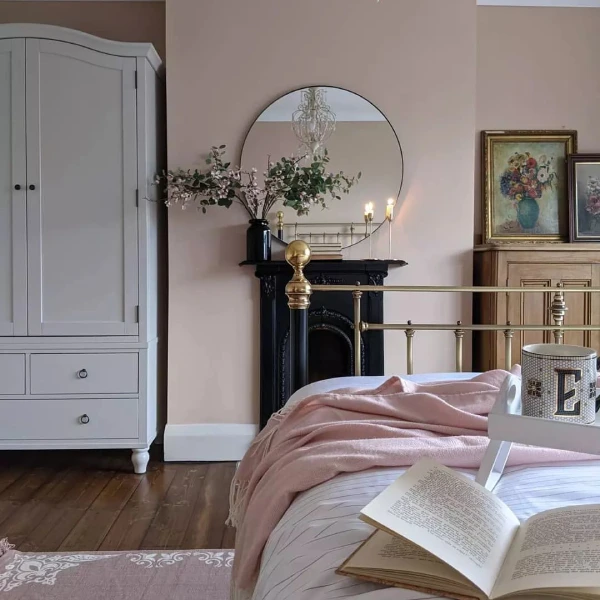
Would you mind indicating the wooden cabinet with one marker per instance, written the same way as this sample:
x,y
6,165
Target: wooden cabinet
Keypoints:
x,y
572,265
81,140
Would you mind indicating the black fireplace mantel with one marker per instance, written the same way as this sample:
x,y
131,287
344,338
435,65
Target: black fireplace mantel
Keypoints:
x,y
329,313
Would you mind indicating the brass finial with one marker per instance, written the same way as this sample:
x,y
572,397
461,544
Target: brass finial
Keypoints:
x,y
559,309
298,289
280,220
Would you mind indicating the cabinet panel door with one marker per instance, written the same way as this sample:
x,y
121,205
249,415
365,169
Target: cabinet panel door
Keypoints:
x,y
13,209
535,308
81,202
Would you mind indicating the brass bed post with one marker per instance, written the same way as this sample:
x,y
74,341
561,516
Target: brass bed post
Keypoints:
x,y
298,291
357,295
410,334
558,308
459,334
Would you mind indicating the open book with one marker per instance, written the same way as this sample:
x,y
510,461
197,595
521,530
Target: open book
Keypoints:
x,y
440,533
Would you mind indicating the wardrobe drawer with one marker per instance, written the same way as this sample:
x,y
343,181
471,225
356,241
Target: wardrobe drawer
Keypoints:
x,y
12,374
105,418
84,373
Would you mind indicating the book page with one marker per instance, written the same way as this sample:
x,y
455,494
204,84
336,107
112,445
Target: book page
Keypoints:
x,y
558,548
450,516
383,551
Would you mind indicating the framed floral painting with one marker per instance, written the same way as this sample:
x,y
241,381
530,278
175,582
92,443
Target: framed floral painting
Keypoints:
x,y
525,189
584,197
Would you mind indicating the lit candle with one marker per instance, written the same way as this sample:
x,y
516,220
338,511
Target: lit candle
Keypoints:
x,y
389,209
369,210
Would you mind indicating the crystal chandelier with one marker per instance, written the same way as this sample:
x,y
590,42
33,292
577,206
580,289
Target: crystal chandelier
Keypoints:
x,y
313,122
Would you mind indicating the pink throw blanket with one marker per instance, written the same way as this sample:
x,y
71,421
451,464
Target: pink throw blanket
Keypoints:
x,y
347,431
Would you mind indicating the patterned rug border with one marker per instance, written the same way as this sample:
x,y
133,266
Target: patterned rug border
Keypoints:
x,y
22,569
5,547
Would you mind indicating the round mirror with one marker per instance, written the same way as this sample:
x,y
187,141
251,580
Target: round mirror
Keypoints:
x,y
355,136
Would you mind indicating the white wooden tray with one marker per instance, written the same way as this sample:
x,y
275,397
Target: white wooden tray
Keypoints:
x,y
506,425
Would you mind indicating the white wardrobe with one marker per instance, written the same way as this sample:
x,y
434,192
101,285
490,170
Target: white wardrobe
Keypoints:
x,y
81,137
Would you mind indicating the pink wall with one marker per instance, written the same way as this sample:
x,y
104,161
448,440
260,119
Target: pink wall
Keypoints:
x,y
227,61
121,21
537,68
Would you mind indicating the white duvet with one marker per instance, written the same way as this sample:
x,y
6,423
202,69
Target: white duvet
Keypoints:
x,y
321,528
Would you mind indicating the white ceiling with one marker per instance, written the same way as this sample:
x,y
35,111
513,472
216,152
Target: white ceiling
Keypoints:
x,y
346,106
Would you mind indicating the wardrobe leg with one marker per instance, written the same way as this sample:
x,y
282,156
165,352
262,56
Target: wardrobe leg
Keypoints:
x,y
140,458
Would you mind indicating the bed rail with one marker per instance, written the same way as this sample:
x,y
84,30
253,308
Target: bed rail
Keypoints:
x,y
299,291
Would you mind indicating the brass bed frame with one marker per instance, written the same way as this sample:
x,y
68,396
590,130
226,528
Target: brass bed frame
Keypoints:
x,y
299,290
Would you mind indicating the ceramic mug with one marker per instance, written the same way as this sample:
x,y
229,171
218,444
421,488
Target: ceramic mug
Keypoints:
x,y
558,382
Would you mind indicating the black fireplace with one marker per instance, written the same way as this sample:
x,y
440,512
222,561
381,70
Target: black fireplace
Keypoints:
x,y
330,325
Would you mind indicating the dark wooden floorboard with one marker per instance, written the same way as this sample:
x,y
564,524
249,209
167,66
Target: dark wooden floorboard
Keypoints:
x,y
228,539
53,530
175,511
91,500
25,487
211,509
132,524
7,508
8,475
89,532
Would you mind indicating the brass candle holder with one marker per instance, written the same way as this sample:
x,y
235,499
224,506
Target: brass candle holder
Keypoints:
x,y
280,225
389,215
369,213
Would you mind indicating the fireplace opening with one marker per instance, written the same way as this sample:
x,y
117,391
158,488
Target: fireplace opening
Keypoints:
x,y
330,349
330,353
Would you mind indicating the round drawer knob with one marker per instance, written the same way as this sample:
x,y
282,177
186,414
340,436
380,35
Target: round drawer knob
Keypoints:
x,y
32,187
17,187
84,419
82,374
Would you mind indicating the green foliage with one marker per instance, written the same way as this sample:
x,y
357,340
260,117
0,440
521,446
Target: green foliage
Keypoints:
x,y
305,186
298,186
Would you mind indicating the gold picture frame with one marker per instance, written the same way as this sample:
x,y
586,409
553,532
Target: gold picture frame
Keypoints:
x,y
525,185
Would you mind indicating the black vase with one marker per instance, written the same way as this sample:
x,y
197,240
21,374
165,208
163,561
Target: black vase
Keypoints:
x,y
258,241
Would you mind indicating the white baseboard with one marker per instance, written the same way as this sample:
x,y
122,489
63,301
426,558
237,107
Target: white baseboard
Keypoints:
x,y
205,442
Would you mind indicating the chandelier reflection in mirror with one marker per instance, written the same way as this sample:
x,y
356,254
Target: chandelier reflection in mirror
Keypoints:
x,y
313,122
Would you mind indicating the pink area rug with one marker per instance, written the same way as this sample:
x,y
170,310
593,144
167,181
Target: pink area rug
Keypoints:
x,y
136,575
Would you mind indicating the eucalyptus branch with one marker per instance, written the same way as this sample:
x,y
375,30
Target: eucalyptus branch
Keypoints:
x,y
299,187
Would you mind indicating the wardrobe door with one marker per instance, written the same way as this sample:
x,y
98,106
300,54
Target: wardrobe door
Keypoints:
x,y
81,191
13,210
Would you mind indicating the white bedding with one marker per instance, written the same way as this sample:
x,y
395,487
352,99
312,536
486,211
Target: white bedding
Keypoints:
x,y
321,528
365,383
